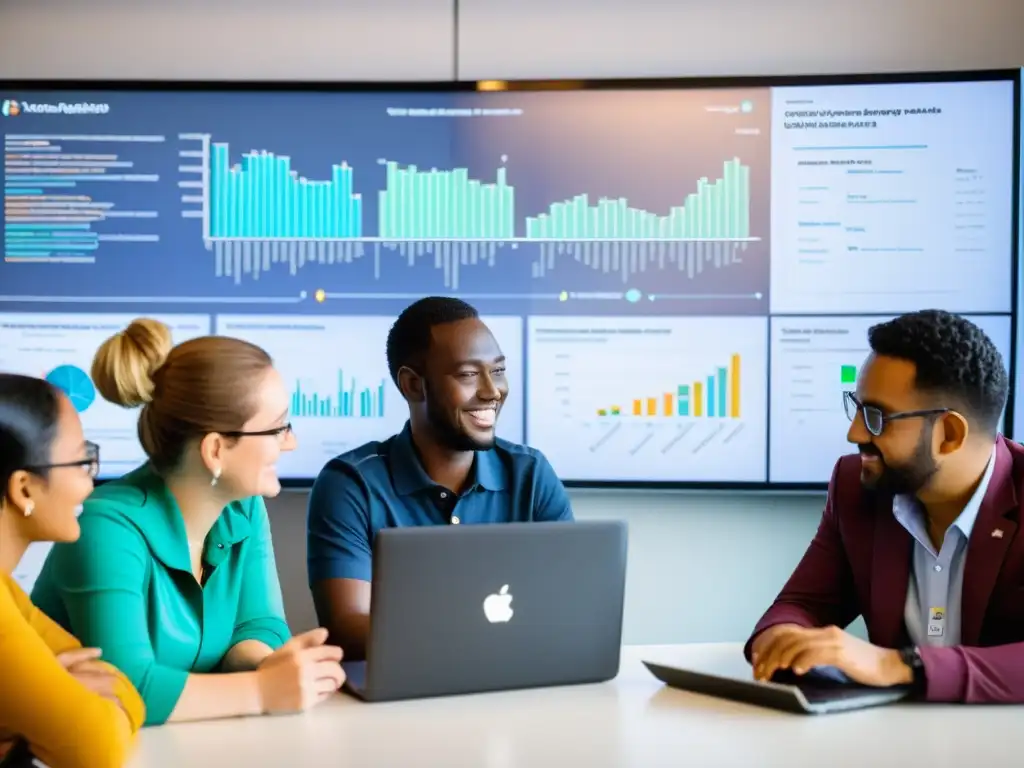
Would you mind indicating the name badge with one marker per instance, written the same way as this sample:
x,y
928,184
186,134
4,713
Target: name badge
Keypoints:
x,y
936,622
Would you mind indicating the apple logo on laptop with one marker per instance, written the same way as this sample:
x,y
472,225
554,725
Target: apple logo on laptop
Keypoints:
x,y
498,607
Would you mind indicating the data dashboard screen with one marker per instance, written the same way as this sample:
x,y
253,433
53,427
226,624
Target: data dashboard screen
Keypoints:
x,y
682,279
1018,425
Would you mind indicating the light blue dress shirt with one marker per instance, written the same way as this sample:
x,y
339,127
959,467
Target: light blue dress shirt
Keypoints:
x,y
937,578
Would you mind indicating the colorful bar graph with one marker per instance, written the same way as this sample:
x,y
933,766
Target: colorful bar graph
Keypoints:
x,y
716,396
721,388
350,401
734,387
719,209
422,204
262,197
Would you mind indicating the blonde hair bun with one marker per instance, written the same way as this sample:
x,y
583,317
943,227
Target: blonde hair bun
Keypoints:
x,y
125,364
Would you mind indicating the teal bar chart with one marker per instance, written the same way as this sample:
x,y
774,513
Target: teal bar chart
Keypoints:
x,y
433,204
351,400
263,197
718,210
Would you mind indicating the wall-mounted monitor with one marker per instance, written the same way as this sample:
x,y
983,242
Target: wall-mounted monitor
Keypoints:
x,y
681,273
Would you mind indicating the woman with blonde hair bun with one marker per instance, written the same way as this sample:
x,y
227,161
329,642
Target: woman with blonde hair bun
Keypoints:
x,y
174,575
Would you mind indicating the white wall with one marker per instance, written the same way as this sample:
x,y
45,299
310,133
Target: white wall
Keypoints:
x,y
685,547
412,39
227,39
505,39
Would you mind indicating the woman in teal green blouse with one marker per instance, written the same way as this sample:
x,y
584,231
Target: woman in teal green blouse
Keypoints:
x,y
174,576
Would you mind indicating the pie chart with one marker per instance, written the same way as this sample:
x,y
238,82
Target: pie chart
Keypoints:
x,y
75,383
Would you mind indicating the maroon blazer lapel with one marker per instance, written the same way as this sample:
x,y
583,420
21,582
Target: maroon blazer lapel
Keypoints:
x,y
990,538
890,575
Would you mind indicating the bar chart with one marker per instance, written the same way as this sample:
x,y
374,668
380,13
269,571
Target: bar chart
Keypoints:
x,y
432,204
627,397
262,197
718,210
457,228
341,392
717,396
708,238
350,400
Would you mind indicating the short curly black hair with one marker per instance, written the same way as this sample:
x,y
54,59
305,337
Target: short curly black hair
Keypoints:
x,y
409,338
953,358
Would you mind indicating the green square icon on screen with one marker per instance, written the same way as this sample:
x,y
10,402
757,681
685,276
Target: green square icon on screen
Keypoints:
x,y
849,374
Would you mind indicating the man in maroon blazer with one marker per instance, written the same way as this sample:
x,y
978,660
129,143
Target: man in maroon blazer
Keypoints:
x,y
919,532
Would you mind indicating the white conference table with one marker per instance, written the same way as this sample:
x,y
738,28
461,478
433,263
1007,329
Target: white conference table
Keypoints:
x,y
632,720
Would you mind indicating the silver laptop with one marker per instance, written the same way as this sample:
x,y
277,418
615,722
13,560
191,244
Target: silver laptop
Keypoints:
x,y
807,694
473,608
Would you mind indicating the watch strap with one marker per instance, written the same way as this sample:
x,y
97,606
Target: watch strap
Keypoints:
x,y
911,656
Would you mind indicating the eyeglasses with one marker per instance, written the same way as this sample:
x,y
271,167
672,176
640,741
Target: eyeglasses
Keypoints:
x,y
281,433
875,419
91,462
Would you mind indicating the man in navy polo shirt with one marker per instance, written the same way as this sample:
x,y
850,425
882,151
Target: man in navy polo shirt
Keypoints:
x,y
445,468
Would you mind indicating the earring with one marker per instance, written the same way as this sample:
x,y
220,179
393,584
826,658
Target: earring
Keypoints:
x,y
216,476
29,508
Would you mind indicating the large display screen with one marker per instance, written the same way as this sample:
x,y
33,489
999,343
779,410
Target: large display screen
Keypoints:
x,y
682,278
1018,422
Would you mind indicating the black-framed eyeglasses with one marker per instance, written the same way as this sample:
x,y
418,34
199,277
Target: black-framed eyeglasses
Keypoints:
x,y
279,432
91,462
875,418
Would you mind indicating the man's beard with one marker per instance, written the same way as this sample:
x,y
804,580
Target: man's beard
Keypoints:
x,y
450,436
907,478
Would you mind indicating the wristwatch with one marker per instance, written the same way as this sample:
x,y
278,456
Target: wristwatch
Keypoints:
x,y
912,658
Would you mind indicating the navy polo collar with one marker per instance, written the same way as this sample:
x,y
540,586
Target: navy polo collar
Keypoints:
x,y
409,476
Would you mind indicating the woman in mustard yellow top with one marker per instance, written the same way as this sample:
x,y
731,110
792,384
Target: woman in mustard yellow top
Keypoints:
x,y
58,702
